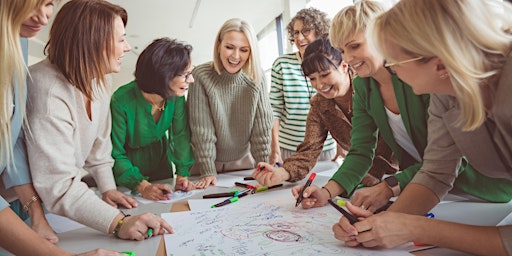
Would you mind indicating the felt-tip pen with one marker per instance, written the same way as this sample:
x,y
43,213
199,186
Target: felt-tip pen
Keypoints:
x,y
267,188
308,183
226,202
347,215
240,184
217,195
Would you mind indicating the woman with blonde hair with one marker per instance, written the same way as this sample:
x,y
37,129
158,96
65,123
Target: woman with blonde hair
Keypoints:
x,y
385,104
228,107
460,52
14,168
17,237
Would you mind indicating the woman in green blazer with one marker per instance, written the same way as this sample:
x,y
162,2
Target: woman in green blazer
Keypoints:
x,y
384,104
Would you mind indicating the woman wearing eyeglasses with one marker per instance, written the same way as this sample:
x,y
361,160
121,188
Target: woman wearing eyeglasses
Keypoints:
x,y
460,52
383,104
291,91
150,131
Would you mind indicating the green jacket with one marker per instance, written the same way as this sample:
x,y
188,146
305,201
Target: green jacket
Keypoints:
x,y
370,118
143,149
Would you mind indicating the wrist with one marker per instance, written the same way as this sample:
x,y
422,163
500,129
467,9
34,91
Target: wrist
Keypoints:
x,y
143,185
329,194
285,175
119,223
393,185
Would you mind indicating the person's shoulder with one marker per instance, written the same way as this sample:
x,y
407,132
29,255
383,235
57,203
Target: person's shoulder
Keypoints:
x,y
125,92
46,77
287,58
203,68
44,69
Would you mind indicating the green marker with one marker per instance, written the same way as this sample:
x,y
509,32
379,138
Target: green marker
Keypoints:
x,y
341,202
226,202
128,253
150,232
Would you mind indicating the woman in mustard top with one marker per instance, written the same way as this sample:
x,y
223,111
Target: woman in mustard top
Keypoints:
x,y
150,132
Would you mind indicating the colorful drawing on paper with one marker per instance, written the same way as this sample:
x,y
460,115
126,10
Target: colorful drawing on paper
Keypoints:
x,y
173,197
267,228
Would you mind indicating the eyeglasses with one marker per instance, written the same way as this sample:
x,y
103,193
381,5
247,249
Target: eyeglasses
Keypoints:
x,y
389,65
187,75
305,32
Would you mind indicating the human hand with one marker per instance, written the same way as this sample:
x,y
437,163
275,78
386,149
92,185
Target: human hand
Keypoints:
x,y
183,184
347,232
313,196
204,182
369,180
270,175
156,192
136,227
340,152
114,198
275,157
372,198
386,229
101,252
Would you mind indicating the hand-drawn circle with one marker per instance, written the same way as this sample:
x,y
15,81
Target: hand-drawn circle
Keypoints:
x,y
283,236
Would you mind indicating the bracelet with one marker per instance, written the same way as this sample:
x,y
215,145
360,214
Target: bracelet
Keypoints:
x,y
29,202
328,191
119,224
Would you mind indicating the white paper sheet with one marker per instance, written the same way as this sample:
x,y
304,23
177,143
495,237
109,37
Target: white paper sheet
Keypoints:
x,y
174,197
267,224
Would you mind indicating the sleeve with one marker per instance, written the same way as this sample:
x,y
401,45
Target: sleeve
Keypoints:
x,y
276,89
202,128
18,172
260,135
304,159
179,140
442,157
53,162
363,138
125,173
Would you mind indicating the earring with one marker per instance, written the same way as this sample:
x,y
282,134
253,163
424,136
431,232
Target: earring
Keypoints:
x,y
443,76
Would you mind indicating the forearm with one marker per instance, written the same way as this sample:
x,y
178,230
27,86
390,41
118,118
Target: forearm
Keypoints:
x,y
274,142
457,236
408,200
19,239
334,189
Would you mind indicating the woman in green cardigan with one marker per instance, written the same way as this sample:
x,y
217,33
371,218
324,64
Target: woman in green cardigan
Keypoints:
x,y
149,124
384,104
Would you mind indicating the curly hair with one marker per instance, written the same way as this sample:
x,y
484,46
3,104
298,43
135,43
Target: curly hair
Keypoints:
x,y
312,18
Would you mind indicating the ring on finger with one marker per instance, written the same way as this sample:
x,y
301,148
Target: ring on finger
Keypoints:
x,y
363,207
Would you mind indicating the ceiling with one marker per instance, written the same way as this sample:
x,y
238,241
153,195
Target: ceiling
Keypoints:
x,y
151,19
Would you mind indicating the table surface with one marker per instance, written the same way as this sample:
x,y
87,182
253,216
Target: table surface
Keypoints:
x,y
85,239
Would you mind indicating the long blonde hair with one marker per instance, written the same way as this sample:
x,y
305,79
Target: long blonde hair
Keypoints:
x,y
471,38
252,67
12,66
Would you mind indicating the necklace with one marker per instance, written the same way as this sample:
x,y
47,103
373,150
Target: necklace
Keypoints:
x,y
161,108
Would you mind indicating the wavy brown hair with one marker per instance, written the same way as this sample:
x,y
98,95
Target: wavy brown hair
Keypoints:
x,y
311,18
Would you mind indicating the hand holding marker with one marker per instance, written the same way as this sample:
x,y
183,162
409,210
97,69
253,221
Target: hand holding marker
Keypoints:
x,y
308,183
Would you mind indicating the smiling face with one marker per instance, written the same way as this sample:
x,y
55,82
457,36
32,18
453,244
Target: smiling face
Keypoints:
x,y
331,83
180,83
37,19
120,46
234,51
301,41
424,76
357,53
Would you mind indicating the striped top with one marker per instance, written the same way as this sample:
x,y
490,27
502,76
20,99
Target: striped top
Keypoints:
x,y
290,93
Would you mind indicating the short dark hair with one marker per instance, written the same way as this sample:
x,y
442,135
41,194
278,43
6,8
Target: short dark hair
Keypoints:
x,y
320,56
159,63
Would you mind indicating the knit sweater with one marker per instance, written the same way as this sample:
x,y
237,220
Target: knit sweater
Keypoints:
x,y
229,117
290,93
143,149
63,140
328,115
